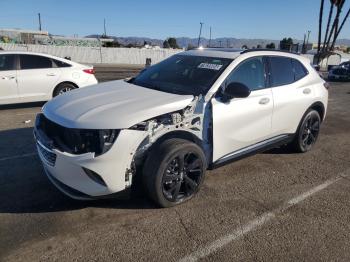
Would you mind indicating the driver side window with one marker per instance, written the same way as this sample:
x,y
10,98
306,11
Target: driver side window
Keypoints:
x,y
250,72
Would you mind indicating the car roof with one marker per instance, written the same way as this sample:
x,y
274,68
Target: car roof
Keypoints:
x,y
34,53
234,53
214,52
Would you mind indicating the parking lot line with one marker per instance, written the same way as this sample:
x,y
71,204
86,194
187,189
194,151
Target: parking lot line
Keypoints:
x,y
260,221
15,157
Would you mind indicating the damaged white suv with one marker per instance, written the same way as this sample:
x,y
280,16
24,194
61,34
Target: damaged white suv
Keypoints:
x,y
194,111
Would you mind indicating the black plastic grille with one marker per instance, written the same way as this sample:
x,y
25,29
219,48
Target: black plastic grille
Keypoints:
x,y
49,157
71,140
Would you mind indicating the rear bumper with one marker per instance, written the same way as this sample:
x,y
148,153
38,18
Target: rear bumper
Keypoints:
x,y
91,80
88,177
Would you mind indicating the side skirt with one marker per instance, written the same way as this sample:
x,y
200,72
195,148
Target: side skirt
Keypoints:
x,y
252,150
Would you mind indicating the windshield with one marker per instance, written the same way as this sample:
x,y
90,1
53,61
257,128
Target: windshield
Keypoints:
x,y
183,74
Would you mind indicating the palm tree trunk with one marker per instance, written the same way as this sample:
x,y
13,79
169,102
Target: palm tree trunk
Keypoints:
x,y
320,27
330,15
340,28
335,23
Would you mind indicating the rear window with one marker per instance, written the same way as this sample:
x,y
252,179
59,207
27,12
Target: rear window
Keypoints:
x,y
35,62
7,62
282,72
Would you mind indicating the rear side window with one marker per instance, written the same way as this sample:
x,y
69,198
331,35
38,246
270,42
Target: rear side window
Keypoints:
x,y
299,70
282,72
35,62
60,63
7,62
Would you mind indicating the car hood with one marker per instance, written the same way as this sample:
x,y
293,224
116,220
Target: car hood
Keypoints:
x,y
111,105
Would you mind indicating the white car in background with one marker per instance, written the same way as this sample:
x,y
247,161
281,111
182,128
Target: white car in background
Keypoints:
x,y
31,77
196,110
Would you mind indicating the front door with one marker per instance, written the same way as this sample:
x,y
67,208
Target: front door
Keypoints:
x,y
243,122
8,79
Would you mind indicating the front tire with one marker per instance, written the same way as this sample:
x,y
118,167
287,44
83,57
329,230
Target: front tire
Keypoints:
x,y
308,131
174,172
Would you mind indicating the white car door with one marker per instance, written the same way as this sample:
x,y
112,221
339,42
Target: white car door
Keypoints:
x,y
243,122
8,79
37,78
292,94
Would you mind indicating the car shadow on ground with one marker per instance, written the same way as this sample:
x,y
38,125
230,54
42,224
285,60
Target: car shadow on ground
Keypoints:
x,y
22,105
24,187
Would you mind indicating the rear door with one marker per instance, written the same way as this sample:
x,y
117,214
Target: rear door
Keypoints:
x,y
8,79
37,77
243,122
292,93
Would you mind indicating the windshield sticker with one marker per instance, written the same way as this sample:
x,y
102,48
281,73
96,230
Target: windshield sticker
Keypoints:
x,y
210,66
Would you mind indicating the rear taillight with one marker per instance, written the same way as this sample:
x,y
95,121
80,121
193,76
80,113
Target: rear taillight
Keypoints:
x,y
326,85
89,71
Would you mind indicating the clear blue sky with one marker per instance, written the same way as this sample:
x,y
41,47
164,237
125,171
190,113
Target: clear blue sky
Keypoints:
x,y
273,19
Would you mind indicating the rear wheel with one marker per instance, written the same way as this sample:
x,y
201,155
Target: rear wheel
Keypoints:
x,y
174,172
63,88
308,132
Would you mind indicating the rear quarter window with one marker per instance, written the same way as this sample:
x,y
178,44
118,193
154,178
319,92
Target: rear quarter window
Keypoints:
x,y
299,70
60,63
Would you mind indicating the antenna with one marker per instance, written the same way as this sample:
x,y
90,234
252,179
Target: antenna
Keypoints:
x,y
39,21
200,33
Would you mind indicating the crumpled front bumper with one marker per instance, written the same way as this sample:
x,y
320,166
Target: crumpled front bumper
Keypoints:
x,y
68,172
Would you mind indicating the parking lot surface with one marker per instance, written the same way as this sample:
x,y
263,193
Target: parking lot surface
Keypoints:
x,y
273,206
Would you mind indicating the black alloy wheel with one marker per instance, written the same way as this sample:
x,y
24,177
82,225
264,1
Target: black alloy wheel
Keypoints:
x,y
182,177
310,130
174,171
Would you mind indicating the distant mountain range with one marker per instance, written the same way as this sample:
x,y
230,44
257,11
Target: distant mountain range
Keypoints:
x,y
217,42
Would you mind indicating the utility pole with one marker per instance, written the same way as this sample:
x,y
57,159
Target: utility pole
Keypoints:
x,y
220,42
39,21
200,33
104,27
210,37
308,36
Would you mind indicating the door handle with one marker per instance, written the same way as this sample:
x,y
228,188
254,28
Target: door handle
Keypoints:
x,y
307,91
8,77
264,101
51,74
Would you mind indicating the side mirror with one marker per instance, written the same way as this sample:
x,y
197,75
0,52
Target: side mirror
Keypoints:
x,y
236,90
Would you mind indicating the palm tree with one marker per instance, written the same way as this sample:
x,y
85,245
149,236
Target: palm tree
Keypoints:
x,y
340,28
330,15
339,4
320,27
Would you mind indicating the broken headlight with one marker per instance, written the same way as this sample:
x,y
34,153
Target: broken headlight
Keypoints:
x,y
107,139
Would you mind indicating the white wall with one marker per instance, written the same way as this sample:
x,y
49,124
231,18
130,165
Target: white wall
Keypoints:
x,y
97,55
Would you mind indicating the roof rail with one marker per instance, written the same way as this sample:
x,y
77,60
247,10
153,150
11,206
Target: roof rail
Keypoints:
x,y
221,49
265,49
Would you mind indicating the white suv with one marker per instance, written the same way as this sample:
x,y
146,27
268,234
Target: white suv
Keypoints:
x,y
31,77
195,110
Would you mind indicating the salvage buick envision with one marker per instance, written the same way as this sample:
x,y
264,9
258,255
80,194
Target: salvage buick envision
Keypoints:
x,y
194,111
